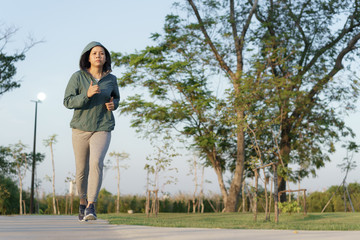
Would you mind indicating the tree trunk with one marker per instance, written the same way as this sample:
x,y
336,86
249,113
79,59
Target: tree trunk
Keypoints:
x,y
24,207
285,149
195,189
243,196
271,196
345,200
53,177
71,203
256,195
20,188
351,204
147,206
219,174
288,186
248,193
118,186
266,197
235,187
202,191
276,190
298,196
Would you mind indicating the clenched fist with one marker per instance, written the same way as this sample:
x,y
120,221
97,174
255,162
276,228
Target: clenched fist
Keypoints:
x,y
93,89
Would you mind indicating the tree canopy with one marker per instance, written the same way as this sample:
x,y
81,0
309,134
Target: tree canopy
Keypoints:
x,y
222,69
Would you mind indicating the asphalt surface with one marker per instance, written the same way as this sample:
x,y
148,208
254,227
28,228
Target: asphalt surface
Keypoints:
x,y
68,228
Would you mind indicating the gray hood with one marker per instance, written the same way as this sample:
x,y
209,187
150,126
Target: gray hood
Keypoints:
x,y
94,44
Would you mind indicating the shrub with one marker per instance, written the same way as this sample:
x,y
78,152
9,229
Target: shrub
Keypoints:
x,y
289,207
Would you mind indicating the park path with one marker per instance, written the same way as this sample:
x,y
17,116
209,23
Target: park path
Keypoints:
x,y
41,227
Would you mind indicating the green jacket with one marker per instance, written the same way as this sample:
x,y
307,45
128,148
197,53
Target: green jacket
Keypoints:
x,y
90,114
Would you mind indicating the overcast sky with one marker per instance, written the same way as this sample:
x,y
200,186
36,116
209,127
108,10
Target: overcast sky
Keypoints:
x,y
66,27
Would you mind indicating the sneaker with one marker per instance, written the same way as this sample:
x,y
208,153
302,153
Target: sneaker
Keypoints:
x,y
82,212
90,213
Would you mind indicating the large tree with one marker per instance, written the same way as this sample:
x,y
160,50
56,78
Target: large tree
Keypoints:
x,y
275,72
306,44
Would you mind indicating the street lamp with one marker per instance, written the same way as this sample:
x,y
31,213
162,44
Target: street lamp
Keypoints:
x,y
40,97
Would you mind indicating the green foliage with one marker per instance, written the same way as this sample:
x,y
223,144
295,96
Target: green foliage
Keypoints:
x,y
8,71
7,61
317,201
276,74
6,167
105,202
159,166
9,196
289,207
50,140
297,65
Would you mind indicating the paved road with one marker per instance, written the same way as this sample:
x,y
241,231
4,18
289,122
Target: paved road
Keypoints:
x,y
68,228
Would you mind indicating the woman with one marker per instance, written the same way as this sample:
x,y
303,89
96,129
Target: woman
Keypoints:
x,y
93,94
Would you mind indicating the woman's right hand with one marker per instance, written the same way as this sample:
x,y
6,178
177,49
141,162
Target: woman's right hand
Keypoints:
x,y
93,89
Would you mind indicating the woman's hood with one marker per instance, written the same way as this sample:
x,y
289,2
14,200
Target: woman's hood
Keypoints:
x,y
93,44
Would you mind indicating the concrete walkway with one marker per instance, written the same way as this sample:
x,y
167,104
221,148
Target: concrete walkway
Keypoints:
x,y
67,227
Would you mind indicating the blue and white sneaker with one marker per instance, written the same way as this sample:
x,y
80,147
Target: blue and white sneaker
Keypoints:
x,y
82,212
90,213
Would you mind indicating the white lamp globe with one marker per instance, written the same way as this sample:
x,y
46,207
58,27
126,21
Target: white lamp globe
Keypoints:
x,y
41,96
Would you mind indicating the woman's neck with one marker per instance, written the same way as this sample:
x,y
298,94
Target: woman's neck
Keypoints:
x,y
95,72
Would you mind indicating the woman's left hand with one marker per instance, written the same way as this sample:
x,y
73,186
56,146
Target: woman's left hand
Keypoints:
x,y
110,105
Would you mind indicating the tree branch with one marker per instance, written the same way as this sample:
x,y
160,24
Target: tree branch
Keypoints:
x,y
337,67
239,42
301,30
320,84
329,45
218,57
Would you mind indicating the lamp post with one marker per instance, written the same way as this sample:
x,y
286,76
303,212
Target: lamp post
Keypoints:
x,y
40,97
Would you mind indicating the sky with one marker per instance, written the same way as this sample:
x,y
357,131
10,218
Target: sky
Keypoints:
x,y
65,28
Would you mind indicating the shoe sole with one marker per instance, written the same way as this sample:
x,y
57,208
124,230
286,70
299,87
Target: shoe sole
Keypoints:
x,y
89,217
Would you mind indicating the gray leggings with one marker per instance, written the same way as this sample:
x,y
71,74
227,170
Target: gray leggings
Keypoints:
x,y
90,149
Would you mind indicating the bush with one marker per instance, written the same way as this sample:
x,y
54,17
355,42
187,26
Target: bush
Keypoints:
x,y
289,207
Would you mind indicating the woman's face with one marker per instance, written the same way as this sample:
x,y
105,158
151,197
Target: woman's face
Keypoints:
x,y
97,57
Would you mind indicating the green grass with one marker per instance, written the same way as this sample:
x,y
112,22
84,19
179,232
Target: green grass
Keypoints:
x,y
312,221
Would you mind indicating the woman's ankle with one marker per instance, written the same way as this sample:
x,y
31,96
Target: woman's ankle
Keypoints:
x,y
83,202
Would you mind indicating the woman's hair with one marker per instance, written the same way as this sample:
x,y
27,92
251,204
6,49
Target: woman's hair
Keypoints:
x,y
85,64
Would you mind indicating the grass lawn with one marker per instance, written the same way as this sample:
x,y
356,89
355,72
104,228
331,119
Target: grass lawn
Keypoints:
x,y
312,221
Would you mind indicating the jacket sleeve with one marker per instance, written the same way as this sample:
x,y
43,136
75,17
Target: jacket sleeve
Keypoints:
x,y
115,94
74,98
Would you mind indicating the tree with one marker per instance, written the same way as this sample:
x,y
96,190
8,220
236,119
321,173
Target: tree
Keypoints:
x,y
160,163
20,162
276,71
72,188
7,61
39,157
6,167
347,165
9,193
179,74
104,200
119,157
305,44
196,165
49,143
